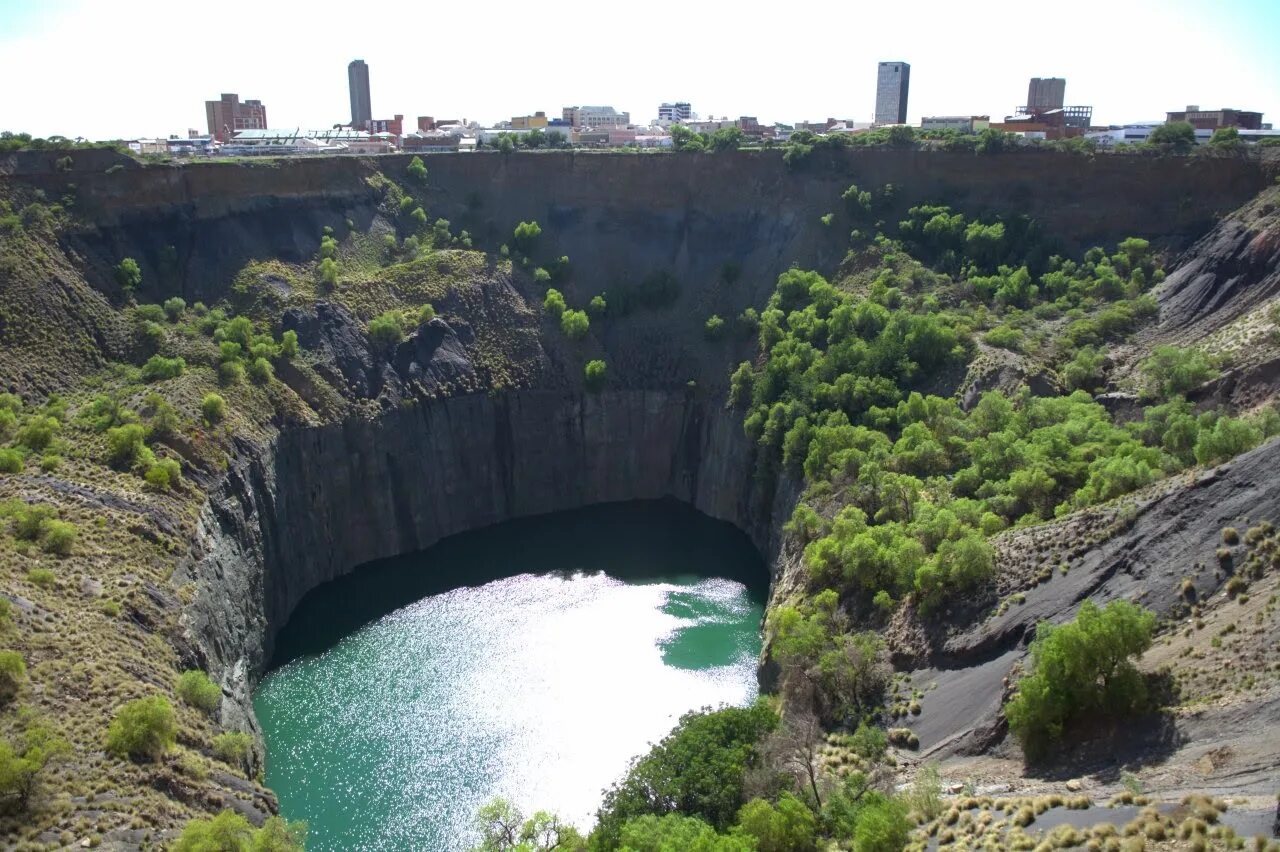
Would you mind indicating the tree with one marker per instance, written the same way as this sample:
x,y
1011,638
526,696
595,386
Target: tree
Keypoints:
x,y
1226,137
534,139
195,688
553,303
727,139
125,445
526,236
503,828
713,329
594,375
143,729
1173,370
128,275
697,770
328,272
796,748
174,307
575,324
597,306
231,832
417,169
386,329
23,760
1177,136
1082,666
678,833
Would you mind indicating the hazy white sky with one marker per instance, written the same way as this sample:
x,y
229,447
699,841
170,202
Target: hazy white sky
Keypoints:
x,y
110,70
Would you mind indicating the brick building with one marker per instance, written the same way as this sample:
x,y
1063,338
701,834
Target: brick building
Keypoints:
x,y
227,116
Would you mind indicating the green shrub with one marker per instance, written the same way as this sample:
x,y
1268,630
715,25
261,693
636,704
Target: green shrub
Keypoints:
x,y
1005,337
174,307
23,760
387,329
195,688
553,304
597,306
417,170
260,371
159,368
594,374
575,324
541,276
230,373
213,408
143,729
1227,439
39,432
327,273
1173,370
231,832
128,275
426,314
526,236
1078,668
232,747
58,538
125,445
164,421
713,328
164,475
11,460
788,826
13,674
42,577
289,344
149,313
419,217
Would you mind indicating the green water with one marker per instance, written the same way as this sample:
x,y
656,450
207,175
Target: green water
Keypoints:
x,y
531,660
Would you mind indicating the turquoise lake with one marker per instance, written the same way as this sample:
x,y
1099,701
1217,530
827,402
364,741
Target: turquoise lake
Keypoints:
x,y
530,660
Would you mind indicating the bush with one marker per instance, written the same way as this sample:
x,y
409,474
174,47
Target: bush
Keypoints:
x,y
1174,370
59,538
1178,136
50,462
13,674
128,275
673,832
417,169
1005,337
1081,667
213,408
231,832
541,276
232,747
195,688
260,371
386,329
1227,439
230,373
11,460
713,328
143,729
594,374
39,432
597,306
42,577
22,761
125,445
787,827
164,475
159,368
526,236
327,272
575,324
174,307
426,314
553,303
289,344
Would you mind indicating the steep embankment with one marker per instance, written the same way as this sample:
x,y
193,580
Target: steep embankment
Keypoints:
x,y
351,450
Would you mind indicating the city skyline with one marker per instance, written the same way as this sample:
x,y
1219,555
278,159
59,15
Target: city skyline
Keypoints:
x,y
1131,64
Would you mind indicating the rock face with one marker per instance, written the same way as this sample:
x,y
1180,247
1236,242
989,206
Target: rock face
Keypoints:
x,y
321,501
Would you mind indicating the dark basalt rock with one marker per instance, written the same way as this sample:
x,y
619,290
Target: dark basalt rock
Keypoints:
x,y
338,339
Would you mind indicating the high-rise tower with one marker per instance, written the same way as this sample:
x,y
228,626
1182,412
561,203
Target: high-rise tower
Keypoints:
x,y
358,80
892,83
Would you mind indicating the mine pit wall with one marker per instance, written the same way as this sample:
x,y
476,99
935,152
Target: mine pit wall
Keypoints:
x,y
319,502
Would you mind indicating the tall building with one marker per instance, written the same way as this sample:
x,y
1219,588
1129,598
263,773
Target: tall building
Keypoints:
x,y
892,83
674,113
1046,93
358,81
227,116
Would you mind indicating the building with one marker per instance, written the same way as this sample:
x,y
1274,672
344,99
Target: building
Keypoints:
x,y
192,145
358,82
227,116
1045,93
537,121
595,117
676,113
958,123
295,140
892,85
393,126
1064,123
1212,119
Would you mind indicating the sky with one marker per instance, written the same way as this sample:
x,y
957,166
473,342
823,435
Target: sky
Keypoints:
x,y
109,70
